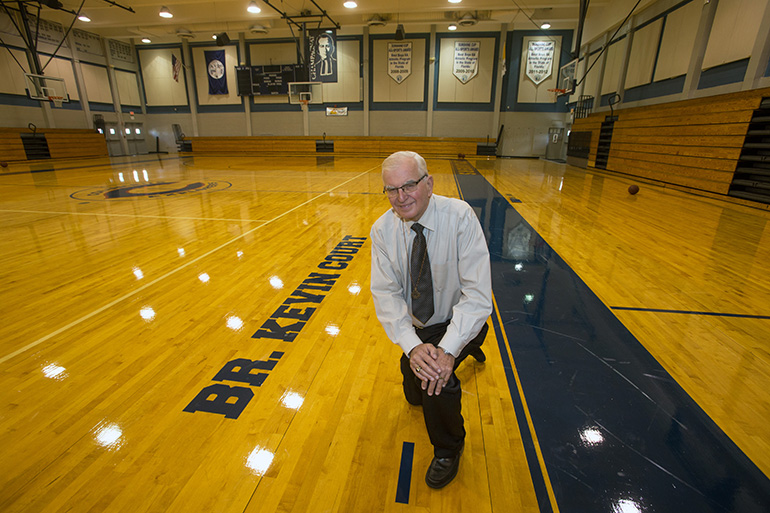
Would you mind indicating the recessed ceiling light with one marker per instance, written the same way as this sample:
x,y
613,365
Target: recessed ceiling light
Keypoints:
x,y
452,27
350,4
214,36
253,8
165,13
85,18
545,26
455,1
146,40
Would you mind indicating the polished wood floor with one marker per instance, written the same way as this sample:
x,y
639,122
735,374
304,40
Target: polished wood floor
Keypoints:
x,y
129,286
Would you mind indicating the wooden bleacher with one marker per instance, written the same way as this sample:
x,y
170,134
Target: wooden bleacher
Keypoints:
x,y
61,143
343,145
692,143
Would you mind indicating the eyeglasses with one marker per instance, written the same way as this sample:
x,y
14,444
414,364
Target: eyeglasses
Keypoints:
x,y
408,188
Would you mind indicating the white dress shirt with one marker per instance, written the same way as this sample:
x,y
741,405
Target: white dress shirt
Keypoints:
x,y
459,263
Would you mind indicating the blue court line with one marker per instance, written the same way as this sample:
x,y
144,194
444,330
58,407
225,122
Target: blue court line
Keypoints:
x,y
405,473
690,312
111,164
616,432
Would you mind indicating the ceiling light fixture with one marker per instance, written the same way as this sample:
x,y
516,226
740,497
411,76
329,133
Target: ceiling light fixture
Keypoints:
x,y
545,26
146,40
165,13
455,1
452,27
85,18
350,4
253,8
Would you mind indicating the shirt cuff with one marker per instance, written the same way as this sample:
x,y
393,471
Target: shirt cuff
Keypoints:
x,y
452,343
409,342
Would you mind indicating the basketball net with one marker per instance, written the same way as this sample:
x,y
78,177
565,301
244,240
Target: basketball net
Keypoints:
x,y
56,100
557,92
304,103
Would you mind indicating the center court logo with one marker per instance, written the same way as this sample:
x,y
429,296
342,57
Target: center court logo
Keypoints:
x,y
148,190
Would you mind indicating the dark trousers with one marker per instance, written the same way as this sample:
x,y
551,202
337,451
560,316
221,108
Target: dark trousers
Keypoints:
x,y
442,413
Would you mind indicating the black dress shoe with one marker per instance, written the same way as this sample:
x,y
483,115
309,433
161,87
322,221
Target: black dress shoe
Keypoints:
x,y
442,470
479,355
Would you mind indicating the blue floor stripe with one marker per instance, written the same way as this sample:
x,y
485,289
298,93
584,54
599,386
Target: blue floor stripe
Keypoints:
x,y
616,431
689,312
405,473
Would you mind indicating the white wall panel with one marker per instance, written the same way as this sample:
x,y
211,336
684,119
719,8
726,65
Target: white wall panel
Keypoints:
x,y
615,55
160,88
385,89
643,50
736,24
678,40
476,90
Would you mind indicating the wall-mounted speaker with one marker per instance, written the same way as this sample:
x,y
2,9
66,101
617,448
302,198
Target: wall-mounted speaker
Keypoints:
x,y
400,32
222,39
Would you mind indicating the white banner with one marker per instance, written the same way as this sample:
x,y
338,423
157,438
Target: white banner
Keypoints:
x,y
539,60
399,61
86,42
466,62
336,111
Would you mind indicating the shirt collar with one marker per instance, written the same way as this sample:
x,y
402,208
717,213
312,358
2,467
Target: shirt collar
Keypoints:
x,y
428,219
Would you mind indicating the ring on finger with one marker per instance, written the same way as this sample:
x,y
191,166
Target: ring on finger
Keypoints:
x,y
418,368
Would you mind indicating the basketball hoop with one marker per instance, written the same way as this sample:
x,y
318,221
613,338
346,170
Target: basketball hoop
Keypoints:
x,y
304,102
56,100
557,92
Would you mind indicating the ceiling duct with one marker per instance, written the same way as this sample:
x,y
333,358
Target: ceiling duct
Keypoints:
x,y
377,21
185,34
467,20
258,29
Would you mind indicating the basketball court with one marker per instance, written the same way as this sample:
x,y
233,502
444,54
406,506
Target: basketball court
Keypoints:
x,y
197,334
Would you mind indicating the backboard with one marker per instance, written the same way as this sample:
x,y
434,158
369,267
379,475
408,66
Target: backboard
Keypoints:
x,y
312,92
567,77
46,88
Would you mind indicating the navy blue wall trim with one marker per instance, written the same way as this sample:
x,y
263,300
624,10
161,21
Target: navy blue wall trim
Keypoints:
x,y
210,109
101,107
663,88
18,100
405,473
168,109
729,73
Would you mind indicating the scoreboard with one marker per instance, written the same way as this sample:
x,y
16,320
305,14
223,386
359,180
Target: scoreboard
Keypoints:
x,y
267,80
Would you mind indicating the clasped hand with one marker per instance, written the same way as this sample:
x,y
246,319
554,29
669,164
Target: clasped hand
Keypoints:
x,y
433,366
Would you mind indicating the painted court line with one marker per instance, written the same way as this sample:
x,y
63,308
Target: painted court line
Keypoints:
x,y
160,278
405,473
689,312
135,216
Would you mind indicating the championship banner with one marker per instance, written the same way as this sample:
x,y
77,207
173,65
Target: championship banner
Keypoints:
x,y
466,61
399,61
215,65
539,60
322,55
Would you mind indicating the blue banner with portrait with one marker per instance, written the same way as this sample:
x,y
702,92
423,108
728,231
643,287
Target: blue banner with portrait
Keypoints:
x,y
322,55
215,67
